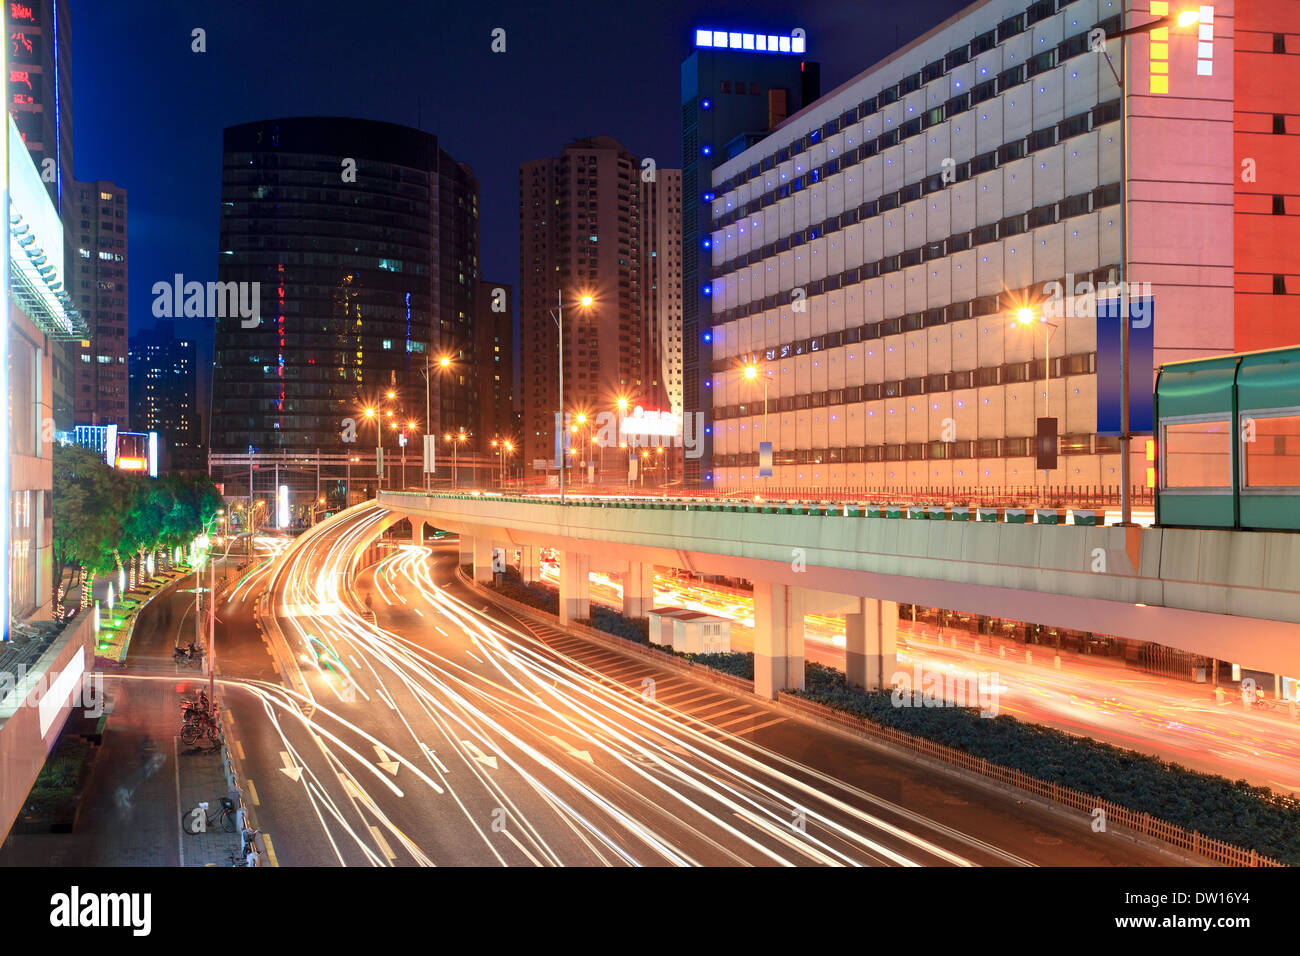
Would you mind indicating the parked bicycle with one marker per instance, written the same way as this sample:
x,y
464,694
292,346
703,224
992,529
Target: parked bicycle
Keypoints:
x,y
198,820
195,708
187,656
204,725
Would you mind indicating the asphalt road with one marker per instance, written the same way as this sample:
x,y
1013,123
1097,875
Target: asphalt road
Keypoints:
x,y
447,734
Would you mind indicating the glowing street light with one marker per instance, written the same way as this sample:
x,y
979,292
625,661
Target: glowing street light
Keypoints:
x,y
585,300
1184,19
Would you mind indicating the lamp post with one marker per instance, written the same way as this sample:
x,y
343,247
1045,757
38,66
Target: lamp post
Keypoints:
x,y
751,372
581,419
503,447
410,430
1026,318
1186,18
379,448
558,315
443,363
459,439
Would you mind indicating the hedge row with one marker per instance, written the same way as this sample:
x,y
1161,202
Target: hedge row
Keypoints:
x,y
1232,811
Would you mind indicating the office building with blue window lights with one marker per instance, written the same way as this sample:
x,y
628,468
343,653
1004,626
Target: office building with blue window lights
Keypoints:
x,y
870,257
735,89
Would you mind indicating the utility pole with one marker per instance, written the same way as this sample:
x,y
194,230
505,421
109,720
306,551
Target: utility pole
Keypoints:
x,y
212,624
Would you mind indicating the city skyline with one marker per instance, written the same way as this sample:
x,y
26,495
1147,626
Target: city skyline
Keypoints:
x,y
846,434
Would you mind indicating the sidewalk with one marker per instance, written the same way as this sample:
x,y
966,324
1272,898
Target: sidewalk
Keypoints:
x,y
143,779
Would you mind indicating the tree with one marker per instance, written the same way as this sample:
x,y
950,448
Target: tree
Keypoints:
x,y
88,505
101,513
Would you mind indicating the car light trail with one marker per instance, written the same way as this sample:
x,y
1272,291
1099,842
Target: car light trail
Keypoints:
x,y
515,713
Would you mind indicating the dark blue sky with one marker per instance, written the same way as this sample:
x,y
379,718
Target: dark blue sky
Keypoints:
x,y
148,113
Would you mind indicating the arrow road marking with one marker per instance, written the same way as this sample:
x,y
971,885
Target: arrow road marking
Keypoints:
x,y
573,751
290,770
385,761
479,755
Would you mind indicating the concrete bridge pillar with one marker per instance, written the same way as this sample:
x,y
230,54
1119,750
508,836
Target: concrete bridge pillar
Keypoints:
x,y
482,560
530,563
871,644
794,641
638,589
417,531
771,637
575,586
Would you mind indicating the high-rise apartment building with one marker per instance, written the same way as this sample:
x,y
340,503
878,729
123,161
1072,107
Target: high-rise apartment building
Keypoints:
x,y
358,241
99,286
580,234
661,289
496,363
735,87
871,255
164,392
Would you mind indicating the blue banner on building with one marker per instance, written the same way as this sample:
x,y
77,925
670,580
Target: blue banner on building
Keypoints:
x,y
765,459
1141,346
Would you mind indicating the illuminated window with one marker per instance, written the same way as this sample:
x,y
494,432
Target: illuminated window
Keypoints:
x,y
1272,459
1197,454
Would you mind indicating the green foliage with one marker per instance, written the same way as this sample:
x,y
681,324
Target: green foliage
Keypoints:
x,y
101,513
611,622
534,595
735,663
1232,811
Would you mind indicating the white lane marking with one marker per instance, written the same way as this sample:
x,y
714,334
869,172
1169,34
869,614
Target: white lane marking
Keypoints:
x,y
290,769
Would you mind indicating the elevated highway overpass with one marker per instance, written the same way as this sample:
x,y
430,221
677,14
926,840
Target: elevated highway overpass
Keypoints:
x,y
1229,595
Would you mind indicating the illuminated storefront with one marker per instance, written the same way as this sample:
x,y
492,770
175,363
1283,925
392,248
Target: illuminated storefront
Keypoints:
x,y
40,315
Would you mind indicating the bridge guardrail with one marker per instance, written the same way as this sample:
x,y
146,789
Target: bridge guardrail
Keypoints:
x,y
857,508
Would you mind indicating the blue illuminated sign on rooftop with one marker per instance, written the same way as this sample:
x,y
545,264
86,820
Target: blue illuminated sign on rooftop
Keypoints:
x,y
756,42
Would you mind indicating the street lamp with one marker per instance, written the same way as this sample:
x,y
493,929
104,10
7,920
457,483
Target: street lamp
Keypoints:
x,y
503,447
1159,28
751,372
444,363
558,316
1027,318
379,447
411,427
581,419
459,440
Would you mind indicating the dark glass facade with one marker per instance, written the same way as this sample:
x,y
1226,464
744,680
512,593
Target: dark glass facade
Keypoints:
x,y
364,280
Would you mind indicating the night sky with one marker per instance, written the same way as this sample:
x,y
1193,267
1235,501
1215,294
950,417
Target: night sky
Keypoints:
x,y
148,112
